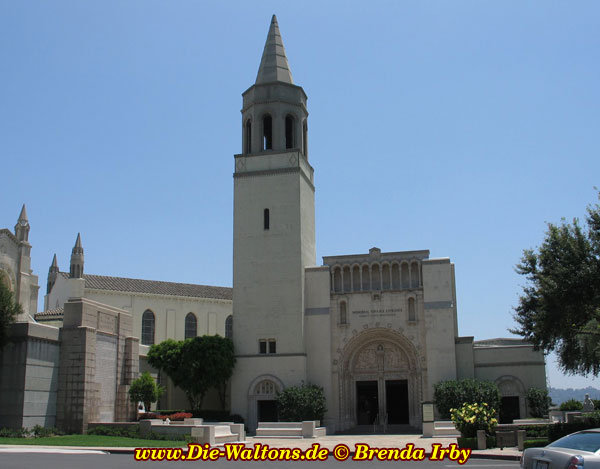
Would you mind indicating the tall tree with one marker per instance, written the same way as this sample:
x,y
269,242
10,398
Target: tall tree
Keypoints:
x,y
195,365
559,309
9,311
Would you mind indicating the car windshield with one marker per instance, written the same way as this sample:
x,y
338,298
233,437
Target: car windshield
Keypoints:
x,y
585,441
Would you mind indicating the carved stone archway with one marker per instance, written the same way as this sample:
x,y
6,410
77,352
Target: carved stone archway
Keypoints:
x,y
262,388
511,386
381,355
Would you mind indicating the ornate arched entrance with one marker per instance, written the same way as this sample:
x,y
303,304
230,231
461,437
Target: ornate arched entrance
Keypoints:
x,y
262,395
512,398
380,380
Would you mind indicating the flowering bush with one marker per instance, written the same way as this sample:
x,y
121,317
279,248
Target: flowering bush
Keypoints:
x,y
472,417
173,417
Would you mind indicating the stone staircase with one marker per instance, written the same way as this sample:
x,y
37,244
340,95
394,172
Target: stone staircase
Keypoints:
x,y
445,428
308,429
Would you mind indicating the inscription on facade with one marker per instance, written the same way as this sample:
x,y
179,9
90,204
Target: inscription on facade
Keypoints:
x,y
377,312
107,323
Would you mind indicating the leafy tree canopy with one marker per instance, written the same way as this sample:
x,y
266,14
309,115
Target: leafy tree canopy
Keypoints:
x,y
195,365
538,401
559,309
453,394
304,402
9,310
145,389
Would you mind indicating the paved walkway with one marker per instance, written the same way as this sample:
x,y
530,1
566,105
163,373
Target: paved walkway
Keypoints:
x,y
329,441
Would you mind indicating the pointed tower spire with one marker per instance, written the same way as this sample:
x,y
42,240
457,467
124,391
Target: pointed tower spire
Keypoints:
x,y
23,215
76,270
274,64
52,274
22,226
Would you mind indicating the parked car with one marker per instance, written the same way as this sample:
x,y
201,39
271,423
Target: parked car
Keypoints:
x,y
579,450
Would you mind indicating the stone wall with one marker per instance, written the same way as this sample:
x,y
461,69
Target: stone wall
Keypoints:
x,y
98,361
29,376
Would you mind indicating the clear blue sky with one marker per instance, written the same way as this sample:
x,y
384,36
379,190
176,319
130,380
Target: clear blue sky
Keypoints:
x,y
460,127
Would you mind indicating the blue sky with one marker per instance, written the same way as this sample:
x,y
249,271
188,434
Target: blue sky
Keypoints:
x,y
460,127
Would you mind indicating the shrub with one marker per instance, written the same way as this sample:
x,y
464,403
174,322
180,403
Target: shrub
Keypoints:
x,y
472,417
107,430
571,404
10,433
538,402
304,402
537,443
471,442
41,432
218,416
452,394
558,430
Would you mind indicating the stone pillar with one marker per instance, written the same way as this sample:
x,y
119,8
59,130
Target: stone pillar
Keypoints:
x,y
521,439
98,361
481,443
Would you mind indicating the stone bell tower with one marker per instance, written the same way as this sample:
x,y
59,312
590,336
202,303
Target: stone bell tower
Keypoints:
x,y
273,235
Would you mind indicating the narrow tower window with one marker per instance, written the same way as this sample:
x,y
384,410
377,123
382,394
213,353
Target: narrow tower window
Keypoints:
x,y
412,313
343,313
304,139
248,136
267,133
289,132
266,220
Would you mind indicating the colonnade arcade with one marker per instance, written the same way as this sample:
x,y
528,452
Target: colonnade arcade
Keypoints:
x,y
375,276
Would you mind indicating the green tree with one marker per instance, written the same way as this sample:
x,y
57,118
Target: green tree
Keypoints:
x,y
538,402
9,310
559,309
195,365
452,394
304,402
571,404
145,389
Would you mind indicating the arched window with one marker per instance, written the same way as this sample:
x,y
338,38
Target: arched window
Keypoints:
x,y
191,326
267,132
343,313
248,136
412,310
404,275
414,275
304,139
148,328
337,279
229,327
366,278
289,131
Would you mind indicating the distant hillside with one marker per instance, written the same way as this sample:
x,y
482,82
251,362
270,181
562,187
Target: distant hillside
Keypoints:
x,y
561,395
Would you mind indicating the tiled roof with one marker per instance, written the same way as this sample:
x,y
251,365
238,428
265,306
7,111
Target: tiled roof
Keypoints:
x,y
56,312
102,282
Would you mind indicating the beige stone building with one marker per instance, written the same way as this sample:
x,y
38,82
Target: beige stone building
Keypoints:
x,y
375,329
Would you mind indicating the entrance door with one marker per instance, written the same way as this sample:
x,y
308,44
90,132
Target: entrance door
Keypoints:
x,y
396,398
509,409
267,411
367,402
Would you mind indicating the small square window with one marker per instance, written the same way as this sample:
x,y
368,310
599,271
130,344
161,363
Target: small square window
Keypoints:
x,y
262,346
272,346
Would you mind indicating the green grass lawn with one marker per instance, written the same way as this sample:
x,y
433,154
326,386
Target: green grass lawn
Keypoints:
x,y
92,440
